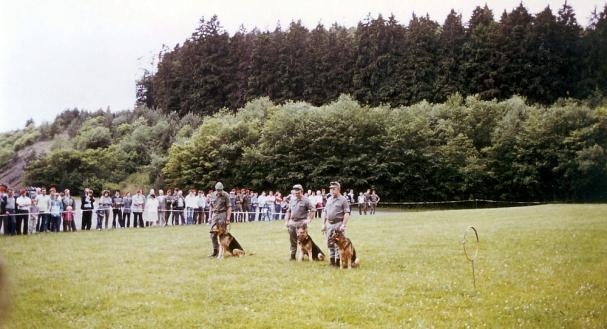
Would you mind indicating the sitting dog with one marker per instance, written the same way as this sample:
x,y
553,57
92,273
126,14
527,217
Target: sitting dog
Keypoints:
x,y
347,253
306,246
227,242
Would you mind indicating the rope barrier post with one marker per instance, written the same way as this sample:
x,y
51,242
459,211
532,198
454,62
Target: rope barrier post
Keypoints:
x,y
472,253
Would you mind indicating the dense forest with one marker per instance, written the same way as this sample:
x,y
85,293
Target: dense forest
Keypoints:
x,y
507,110
460,149
542,57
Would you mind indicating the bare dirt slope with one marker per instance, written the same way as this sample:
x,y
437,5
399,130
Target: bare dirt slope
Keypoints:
x,y
12,172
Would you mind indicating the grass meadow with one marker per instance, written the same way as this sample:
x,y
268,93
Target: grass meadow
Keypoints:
x,y
538,267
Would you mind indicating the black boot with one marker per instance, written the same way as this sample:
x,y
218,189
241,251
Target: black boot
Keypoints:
x,y
215,244
292,257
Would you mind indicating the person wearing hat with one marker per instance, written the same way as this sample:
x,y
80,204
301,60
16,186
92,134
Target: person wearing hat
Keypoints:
x,y
221,209
300,213
335,217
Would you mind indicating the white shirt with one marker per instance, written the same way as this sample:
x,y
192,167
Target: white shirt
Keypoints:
x,y
23,203
190,201
43,202
361,199
262,200
151,206
270,200
201,201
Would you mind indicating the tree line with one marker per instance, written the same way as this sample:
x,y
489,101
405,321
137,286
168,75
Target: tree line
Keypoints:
x,y
461,149
543,57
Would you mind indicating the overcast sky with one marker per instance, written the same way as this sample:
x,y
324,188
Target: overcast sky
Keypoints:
x,y
56,55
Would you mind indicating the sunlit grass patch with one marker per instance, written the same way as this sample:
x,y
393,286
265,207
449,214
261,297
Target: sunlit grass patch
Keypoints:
x,y
541,266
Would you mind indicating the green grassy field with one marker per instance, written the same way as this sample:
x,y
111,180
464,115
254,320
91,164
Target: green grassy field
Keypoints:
x,y
541,266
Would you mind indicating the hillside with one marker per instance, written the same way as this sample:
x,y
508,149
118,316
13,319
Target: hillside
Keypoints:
x,y
461,149
11,173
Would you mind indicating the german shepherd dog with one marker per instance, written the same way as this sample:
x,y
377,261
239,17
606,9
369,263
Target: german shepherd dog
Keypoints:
x,y
306,246
347,253
227,242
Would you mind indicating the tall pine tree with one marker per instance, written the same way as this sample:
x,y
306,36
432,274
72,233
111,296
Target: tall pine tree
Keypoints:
x,y
515,74
482,54
451,46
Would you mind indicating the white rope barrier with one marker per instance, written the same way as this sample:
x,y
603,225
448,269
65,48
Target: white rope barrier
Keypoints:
x,y
179,217
261,210
459,201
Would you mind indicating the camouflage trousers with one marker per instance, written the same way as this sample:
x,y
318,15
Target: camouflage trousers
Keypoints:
x,y
333,250
219,218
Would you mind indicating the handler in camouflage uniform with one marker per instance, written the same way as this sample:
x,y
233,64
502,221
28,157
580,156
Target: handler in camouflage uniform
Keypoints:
x,y
300,212
220,210
336,215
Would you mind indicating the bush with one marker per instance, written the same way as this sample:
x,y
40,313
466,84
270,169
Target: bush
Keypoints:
x,y
28,137
455,150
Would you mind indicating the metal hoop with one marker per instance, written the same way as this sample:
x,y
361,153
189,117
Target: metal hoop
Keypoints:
x,y
471,256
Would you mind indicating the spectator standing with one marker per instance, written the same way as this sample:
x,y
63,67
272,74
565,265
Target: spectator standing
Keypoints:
x,y
262,206
3,214
86,205
117,204
32,218
162,205
178,209
239,210
361,204
254,203
151,210
68,201
44,204
318,204
11,210
55,210
246,204
270,205
200,205
68,220
232,218
137,207
190,205
105,204
170,203
127,202
277,205
23,203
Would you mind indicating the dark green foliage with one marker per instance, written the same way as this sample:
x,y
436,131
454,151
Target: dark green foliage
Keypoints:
x,y
460,149
482,56
542,57
420,72
452,39
105,148
595,48
274,114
